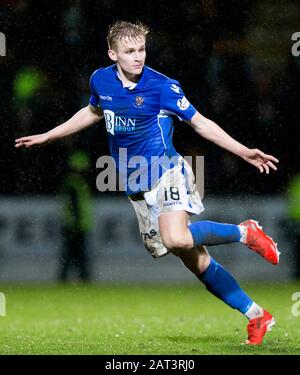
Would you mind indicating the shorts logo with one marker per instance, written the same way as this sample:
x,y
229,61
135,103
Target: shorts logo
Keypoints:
x,y
149,235
183,103
139,101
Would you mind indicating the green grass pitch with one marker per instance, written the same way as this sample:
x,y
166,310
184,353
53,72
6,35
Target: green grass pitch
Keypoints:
x,y
124,319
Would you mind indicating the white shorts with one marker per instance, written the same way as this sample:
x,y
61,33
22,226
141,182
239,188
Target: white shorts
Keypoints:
x,y
174,191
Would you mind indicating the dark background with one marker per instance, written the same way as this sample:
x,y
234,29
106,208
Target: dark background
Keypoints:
x,y
232,58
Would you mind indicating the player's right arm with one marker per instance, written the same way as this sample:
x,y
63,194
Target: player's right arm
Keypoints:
x,y
84,118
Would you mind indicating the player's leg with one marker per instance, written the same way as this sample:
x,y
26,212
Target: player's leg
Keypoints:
x,y
177,194
200,263
222,284
176,232
196,260
248,233
216,279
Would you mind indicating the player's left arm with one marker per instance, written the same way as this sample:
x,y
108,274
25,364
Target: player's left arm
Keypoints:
x,y
214,133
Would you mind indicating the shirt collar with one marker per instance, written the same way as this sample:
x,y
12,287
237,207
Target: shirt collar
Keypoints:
x,y
131,87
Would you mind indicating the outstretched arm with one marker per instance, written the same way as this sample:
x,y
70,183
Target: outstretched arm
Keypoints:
x,y
212,132
81,120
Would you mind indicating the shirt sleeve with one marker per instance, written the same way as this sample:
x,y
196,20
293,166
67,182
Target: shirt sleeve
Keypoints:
x,y
173,101
94,98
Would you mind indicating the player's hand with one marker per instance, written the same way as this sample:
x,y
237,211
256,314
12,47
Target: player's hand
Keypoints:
x,y
32,140
260,160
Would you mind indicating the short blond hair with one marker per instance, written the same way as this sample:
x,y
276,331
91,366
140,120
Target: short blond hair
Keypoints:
x,y
123,29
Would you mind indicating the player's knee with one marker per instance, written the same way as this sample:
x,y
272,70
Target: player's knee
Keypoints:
x,y
177,241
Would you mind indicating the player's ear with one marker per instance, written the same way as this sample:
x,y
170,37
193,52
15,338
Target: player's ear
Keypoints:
x,y
112,55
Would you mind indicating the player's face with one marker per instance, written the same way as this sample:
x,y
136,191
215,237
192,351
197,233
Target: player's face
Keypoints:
x,y
130,55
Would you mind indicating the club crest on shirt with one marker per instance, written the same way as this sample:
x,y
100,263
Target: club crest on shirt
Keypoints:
x,y
139,101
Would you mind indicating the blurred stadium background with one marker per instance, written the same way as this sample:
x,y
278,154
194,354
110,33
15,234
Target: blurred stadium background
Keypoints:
x,y
235,64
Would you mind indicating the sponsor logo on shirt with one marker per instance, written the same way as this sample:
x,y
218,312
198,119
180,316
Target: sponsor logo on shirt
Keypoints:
x,y
183,103
105,97
118,123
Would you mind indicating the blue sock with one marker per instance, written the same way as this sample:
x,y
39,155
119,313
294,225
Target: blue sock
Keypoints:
x,y
211,233
221,284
